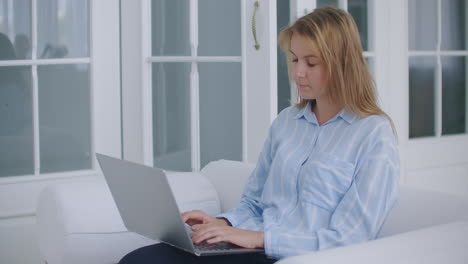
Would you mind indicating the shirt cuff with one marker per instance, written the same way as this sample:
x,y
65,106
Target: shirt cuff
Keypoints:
x,y
225,219
270,244
230,218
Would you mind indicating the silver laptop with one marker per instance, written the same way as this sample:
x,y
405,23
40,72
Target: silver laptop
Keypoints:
x,y
147,207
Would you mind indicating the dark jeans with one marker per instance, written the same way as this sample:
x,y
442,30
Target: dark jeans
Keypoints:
x,y
162,253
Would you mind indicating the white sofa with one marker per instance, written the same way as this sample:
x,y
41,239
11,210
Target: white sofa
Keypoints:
x,y
79,223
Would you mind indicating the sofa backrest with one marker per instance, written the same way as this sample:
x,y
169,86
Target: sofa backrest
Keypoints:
x,y
193,191
417,208
228,178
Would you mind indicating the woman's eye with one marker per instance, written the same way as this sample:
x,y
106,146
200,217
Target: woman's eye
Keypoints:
x,y
294,60
311,64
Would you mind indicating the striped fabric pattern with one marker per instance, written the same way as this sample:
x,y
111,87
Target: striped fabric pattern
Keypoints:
x,y
320,186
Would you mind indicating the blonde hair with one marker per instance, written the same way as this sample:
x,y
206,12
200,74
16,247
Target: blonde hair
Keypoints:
x,y
336,36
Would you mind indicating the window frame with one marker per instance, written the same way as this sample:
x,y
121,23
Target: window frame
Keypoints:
x,y
34,62
442,143
19,194
437,54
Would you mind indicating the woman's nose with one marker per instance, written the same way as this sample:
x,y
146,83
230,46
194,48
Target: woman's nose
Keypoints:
x,y
299,72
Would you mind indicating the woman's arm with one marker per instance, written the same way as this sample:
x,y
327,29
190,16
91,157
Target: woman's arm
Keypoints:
x,y
251,205
222,228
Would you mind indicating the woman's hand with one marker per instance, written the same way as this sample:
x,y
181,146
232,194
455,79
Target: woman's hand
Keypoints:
x,y
197,217
215,230
213,233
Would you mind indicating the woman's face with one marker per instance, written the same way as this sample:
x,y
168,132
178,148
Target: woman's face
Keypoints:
x,y
309,72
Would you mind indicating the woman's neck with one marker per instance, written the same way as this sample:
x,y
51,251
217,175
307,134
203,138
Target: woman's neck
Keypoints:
x,y
324,110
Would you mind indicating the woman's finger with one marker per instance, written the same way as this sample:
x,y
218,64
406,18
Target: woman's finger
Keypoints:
x,y
207,233
198,227
191,216
201,236
216,239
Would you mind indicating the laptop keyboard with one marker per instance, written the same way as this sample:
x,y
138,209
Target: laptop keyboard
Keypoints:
x,y
217,246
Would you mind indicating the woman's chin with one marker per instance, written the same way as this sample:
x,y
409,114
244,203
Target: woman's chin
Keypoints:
x,y
307,96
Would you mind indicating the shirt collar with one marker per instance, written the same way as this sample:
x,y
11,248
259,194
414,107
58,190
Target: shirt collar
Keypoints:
x,y
303,111
347,116
307,113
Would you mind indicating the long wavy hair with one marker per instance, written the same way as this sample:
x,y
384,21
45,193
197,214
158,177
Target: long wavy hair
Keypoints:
x,y
336,36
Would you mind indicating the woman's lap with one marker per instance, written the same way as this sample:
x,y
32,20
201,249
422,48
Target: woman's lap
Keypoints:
x,y
162,253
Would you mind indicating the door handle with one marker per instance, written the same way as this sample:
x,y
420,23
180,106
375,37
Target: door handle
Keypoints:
x,y
254,25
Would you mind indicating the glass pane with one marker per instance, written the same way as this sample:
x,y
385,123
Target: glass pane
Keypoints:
x,y
62,29
171,116
15,29
64,114
453,25
421,96
321,3
358,9
422,22
453,95
284,89
219,26
220,111
170,26
16,132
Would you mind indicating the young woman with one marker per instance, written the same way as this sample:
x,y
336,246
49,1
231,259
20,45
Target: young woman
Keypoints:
x,y
329,170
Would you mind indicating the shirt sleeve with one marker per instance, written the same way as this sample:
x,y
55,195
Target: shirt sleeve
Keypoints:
x,y
250,208
361,212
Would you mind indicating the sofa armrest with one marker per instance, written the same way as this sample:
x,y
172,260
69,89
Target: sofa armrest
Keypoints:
x,y
75,207
81,207
438,244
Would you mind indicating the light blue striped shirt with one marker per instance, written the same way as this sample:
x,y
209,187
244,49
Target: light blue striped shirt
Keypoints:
x,y
320,186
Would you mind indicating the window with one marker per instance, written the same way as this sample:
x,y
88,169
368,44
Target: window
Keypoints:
x,y
437,68
45,123
60,101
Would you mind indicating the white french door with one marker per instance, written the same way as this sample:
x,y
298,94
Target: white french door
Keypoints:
x,y
195,87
